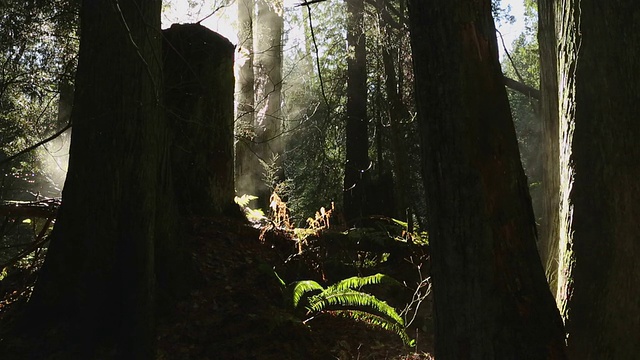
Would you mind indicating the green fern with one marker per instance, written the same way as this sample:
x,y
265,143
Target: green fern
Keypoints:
x,y
378,321
244,200
351,299
301,289
345,298
357,282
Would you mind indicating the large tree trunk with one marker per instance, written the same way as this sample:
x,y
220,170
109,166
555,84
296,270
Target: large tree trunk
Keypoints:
x,y
491,298
356,173
549,226
603,273
199,106
98,278
198,103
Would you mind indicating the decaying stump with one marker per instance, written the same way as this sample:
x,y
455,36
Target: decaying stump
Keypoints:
x,y
198,71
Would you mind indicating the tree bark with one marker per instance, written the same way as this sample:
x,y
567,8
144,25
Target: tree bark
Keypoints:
x,y
356,173
269,143
245,160
398,114
549,226
491,298
602,41
199,107
98,278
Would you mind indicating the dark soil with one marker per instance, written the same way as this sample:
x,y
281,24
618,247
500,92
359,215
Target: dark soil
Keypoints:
x,y
237,310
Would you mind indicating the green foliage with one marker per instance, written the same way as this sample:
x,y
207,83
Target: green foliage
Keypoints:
x,y
244,200
346,299
38,52
302,290
378,321
358,282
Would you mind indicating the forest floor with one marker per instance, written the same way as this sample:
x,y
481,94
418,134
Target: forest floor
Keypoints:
x,y
237,309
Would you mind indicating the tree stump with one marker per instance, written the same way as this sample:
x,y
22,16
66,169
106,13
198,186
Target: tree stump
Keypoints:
x,y
199,85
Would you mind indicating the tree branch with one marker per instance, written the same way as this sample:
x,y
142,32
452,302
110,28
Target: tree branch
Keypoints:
x,y
521,88
307,3
36,145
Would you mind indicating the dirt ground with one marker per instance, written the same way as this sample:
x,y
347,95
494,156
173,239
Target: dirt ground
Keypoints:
x,y
237,310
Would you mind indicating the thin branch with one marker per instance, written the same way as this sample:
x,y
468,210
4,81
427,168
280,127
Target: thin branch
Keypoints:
x,y
513,64
310,2
315,45
36,145
212,13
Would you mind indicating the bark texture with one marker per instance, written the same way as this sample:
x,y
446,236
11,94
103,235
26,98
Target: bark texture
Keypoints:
x,y
491,298
245,160
549,227
199,106
97,283
600,110
269,143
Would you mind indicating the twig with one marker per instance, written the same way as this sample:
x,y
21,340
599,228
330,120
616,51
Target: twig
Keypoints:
x,y
310,2
40,240
315,45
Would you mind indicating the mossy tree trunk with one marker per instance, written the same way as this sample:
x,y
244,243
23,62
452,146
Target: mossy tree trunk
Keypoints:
x,y
491,298
98,279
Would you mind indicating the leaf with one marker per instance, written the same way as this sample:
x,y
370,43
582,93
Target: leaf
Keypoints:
x,y
300,289
353,299
378,321
357,282
244,200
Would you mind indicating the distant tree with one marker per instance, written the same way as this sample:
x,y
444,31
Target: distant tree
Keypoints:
x,y
397,111
357,173
491,298
246,164
599,282
268,144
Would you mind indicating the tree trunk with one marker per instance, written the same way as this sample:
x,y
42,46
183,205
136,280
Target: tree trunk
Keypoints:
x,y
603,274
549,227
199,106
398,114
246,162
269,142
491,298
98,278
356,174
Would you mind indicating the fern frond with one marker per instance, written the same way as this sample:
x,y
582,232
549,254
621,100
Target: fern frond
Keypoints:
x,y
244,200
300,289
377,321
353,299
357,282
